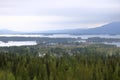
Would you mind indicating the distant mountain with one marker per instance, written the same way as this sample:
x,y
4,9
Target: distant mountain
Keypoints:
x,y
5,31
111,28
65,31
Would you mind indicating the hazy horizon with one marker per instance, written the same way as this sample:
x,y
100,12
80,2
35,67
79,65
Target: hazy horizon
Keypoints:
x,y
47,30
38,15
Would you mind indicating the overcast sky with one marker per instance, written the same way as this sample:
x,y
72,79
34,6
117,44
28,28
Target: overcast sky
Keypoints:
x,y
38,15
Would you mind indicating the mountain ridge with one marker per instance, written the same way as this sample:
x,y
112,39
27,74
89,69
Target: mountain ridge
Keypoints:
x,y
111,28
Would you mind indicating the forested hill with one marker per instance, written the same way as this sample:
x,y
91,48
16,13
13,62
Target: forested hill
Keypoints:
x,y
60,63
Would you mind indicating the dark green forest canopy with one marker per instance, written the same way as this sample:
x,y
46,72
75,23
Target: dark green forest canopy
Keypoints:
x,y
94,62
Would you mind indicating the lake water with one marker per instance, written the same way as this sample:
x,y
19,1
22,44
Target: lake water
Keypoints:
x,y
113,43
23,43
63,36
17,43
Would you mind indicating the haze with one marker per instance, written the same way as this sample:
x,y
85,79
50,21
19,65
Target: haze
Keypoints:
x,y
39,15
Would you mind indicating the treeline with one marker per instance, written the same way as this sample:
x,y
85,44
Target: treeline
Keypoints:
x,y
60,63
98,39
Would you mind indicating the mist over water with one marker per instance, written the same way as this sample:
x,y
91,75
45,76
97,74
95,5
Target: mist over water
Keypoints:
x,y
17,43
62,36
28,43
113,43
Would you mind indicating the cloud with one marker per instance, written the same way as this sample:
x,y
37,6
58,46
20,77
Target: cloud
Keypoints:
x,y
57,14
39,23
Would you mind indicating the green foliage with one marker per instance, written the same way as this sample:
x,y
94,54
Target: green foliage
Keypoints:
x,y
60,63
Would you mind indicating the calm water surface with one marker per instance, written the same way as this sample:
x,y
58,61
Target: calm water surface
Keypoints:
x,y
113,43
23,43
17,43
64,36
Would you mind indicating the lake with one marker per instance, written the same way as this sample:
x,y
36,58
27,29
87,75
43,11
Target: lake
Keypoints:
x,y
26,43
62,36
17,43
113,43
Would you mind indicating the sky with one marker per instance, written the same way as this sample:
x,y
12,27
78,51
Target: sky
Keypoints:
x,y
42,15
